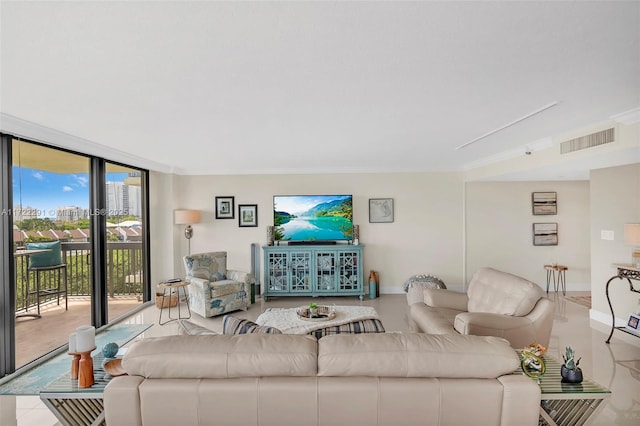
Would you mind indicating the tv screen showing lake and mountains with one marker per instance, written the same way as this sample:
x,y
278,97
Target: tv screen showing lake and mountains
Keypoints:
x,y
313,217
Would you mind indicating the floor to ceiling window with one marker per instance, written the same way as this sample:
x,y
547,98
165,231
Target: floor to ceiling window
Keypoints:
x,y
125,225
78,247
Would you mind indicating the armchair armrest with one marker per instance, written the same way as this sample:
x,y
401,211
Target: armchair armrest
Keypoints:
x,y
243,277
199,284
519,331
441,298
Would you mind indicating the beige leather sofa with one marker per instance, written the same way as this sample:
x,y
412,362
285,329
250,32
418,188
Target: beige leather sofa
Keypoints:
x,y
357,380
496,304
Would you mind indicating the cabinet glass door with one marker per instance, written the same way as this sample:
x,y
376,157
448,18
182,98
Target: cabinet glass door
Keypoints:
x,y
326,272
277,279
300,272
348,271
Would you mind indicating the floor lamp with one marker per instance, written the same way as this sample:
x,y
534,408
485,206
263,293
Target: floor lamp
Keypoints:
x,y
186,217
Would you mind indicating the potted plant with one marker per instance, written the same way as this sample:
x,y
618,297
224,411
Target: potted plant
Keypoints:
x,y
313,310
570,371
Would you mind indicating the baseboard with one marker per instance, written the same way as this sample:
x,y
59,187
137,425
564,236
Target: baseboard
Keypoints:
x,y
400,290
605,318
576,286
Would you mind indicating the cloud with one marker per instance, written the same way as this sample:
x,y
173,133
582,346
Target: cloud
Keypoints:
x,y
38,175
67,188
81,180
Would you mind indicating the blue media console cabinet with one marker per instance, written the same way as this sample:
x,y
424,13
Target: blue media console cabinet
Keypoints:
x,y
313,270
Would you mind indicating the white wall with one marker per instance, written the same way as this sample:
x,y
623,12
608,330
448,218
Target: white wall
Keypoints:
x,y
615,200
499,222
426,236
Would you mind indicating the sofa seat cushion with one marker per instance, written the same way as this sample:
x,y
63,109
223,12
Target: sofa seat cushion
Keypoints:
x,y
498,292
225,287
416,355
222,356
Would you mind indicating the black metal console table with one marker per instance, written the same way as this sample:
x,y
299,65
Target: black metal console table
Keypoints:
x,y
629,272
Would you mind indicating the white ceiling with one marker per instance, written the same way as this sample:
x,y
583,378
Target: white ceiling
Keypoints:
x,y
304,87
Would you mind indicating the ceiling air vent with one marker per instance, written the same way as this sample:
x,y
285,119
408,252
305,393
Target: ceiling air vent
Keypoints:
x,y
589,141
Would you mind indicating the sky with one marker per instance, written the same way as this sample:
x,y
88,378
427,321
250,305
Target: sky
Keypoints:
x,y
46,191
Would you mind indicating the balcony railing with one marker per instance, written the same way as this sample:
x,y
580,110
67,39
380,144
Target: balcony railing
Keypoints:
x,y
124,272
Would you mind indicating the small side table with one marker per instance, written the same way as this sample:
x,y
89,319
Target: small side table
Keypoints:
x,y
167,291
561,280
629,272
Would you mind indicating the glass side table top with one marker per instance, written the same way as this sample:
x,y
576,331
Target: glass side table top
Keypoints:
x,y
551,381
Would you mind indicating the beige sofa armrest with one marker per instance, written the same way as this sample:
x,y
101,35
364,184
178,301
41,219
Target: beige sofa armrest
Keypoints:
x,y
122,401
441,298
521,403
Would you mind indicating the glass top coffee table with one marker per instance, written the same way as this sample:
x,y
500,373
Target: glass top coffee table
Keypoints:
x,y
74,406
568,404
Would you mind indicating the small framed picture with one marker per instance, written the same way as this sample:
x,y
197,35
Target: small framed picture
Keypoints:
x,y
380,210
545,234
633,322
225,208
544,203
247,215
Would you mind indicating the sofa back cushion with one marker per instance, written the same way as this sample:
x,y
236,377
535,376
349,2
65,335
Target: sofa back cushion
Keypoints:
x,y
222,356
498,292
207,266
415,355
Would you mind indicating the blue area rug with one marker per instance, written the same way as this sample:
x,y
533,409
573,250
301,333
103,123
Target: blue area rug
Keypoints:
x,y
33,381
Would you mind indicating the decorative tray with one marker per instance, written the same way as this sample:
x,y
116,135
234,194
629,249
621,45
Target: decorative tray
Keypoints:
x,y
325,313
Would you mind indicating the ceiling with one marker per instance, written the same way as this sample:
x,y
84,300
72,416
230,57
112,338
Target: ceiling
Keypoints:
x,y
317,87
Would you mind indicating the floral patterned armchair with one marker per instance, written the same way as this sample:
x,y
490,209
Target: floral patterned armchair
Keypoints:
x,y
214,289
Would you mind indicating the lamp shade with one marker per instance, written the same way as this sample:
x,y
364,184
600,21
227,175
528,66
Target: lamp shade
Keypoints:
x,y
186,217
632,234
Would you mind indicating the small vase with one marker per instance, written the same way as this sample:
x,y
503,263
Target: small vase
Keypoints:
x,y
313,312
571,376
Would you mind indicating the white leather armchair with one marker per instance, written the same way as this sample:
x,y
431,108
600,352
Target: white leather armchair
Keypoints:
x,y
496,304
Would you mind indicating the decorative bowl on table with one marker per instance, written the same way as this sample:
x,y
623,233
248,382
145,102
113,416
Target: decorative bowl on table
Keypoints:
x,y
324,313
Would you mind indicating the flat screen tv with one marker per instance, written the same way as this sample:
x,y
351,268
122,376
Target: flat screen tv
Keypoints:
x,y
313,217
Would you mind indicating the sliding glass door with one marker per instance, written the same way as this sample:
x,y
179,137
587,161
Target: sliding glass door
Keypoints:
x,y
51,247
76,246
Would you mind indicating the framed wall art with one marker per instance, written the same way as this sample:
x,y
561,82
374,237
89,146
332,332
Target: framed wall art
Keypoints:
x,y
247,215
380,210
545,234
544,203
225,208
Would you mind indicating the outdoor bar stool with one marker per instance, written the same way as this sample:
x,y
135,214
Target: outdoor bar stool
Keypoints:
x,y
60,272
47,261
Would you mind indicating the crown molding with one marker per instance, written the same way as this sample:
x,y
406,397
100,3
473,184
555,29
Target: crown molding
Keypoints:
x,y
26,129
628,117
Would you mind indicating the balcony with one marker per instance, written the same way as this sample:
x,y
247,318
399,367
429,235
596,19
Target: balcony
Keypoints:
x,y
37,336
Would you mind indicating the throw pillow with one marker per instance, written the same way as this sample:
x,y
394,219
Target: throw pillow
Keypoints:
x,y
232,325
51,257
217,276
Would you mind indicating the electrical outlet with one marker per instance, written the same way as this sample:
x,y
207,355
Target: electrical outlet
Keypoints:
x,y
606,235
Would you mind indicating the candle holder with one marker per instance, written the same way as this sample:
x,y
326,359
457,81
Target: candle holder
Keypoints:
x,y
82,368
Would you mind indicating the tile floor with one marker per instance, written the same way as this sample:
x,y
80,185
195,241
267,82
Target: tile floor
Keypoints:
x,y
616,366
